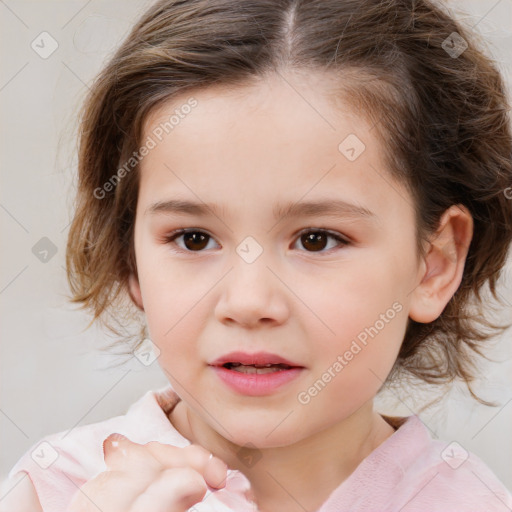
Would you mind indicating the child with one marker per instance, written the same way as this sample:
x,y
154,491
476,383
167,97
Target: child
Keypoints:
x,y
301,197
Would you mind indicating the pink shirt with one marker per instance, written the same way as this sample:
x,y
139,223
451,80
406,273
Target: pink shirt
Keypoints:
x,y
409,472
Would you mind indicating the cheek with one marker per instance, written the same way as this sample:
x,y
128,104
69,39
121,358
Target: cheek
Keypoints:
x,y
349,368
364,346
363,324
174,305
361,296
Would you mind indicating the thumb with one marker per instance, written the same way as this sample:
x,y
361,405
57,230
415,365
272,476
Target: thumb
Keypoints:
x,y
122,454
112,443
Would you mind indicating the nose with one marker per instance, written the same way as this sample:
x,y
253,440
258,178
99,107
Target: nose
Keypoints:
x,y
252,295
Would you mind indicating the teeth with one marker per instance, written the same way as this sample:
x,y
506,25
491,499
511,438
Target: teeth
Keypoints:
x,y
270,365
254,369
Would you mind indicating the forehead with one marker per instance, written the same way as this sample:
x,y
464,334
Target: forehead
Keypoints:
x,y
282,136
279,99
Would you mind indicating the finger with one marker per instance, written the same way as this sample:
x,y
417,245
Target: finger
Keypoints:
x,y
213,469
109,490
175,489
122,454
216,472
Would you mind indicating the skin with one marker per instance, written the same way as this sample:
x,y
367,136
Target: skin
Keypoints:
x,y
248,149
154,476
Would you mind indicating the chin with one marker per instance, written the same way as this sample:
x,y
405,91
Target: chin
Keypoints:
x,y
259,432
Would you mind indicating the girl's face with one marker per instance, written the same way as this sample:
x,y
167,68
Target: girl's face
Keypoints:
x,y
249,278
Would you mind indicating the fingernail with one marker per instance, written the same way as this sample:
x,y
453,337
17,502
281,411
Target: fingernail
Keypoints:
x,y
112,441
117,437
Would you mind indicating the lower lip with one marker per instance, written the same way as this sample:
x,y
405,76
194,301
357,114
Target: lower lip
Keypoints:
x,y
256,384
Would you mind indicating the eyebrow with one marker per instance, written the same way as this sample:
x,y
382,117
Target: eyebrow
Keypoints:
x,y
329,207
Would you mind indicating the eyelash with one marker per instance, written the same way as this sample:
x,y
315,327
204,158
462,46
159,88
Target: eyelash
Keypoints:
x,y
171,237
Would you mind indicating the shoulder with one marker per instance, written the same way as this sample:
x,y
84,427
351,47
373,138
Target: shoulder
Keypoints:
x,y
18,494
444,476
59,464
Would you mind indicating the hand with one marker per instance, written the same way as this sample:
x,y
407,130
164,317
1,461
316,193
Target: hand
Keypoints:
x,y
152,477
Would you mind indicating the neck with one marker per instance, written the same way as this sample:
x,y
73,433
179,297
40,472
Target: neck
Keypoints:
x,y
296,477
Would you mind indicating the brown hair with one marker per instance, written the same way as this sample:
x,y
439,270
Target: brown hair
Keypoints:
x,y
444,118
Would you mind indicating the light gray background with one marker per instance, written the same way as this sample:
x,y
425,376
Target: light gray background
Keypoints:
x,y
52,375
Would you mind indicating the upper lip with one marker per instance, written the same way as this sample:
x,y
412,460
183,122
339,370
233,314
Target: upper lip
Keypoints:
x,y
256,358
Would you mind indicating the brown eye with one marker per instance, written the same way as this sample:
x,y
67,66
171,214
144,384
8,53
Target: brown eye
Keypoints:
x,y
193,241
318,240
314,241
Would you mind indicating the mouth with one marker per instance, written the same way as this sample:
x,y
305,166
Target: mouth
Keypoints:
x,y
257,374
257,362
259,369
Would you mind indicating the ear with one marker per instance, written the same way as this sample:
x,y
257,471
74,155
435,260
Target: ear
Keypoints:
x,y
134,291
443,265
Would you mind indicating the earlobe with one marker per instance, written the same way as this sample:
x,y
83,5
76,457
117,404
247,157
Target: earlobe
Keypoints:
x,y
134,291
443,265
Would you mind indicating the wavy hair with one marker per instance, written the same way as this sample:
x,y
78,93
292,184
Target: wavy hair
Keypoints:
x,y
440,107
